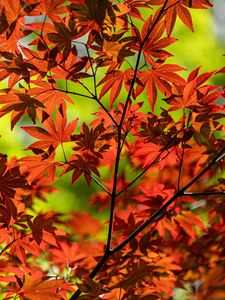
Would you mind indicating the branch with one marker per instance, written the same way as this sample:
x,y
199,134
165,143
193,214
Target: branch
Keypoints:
x,y
92,69
138,60
72,93
163,208
114,191
180,169
193,194
95,96
120,128
96,269
181,158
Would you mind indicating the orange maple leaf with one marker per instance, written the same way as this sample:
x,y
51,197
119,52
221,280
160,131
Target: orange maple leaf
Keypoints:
x,y
54,134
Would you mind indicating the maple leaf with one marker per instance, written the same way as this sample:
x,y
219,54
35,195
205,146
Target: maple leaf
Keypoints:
x,y
197,155
19,105
155,42
182,12
187,220
91,226
113,47
54,134
91,140
48,94
54,9
66,255
16,66
37,166
178,8
82,165
62,38
9,40
94,14
147,152
158,77
21,246
10,179
43,230
33,63
133,6
113,81
35,287
191,93
11,15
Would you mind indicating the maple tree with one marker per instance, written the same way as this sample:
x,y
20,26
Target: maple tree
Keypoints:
x,y
158,175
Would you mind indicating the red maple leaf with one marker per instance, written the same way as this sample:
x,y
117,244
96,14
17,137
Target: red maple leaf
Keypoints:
x,y
54,134
66,255
179,8
51,8
38,166
155,43
113,82
10,179
48,94
158,77
19,105
192,93
82,165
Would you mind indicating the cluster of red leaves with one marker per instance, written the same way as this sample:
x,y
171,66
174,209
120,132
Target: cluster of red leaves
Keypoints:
x,y
162,172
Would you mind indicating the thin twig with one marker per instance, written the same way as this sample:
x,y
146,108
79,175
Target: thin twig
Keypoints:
x,y
193,194
180,168
72,93
175,3
93,72
8,245
95,89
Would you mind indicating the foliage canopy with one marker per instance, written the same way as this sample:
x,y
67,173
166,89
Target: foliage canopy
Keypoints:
x,y
158,174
